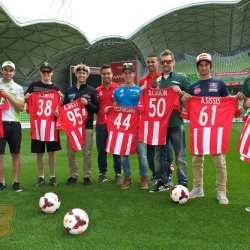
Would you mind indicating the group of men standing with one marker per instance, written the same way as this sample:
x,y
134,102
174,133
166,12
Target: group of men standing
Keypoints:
x,y
100,101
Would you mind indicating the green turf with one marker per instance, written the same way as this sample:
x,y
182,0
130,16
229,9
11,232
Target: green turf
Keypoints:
x,y
127,219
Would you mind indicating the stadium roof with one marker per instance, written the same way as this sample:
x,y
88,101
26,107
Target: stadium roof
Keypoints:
x,y
196,28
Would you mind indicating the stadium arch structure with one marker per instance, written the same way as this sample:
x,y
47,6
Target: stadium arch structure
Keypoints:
x,y
221,28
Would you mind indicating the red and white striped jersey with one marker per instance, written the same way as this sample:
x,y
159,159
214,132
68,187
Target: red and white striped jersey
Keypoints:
x,y
41,107
72,117
122,130
157,106
244,141
210,123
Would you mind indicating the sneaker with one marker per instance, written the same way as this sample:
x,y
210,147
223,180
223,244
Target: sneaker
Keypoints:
x,y
118,179
159,187
196,192
2,186
247,209
222,197
153,181
170,181
102,178
53,181
40,182
16,187
183,183
71,180
87,182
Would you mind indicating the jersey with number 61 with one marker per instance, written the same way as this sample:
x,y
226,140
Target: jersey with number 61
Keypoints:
x,y
41,107
122,130
72,118
210,123
157,105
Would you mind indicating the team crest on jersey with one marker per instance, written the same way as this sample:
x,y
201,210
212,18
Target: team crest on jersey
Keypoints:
x,y
197,90
100,93
213,87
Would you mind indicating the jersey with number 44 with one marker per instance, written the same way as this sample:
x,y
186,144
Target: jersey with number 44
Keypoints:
x,y
72,119
122,130
42,119
210,123
157,105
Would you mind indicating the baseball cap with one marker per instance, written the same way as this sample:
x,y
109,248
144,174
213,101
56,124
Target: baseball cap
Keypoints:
x,y
8,63
128,66
46,65
204,57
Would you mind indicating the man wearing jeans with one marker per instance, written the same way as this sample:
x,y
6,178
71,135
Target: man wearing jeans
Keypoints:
x,y
175,131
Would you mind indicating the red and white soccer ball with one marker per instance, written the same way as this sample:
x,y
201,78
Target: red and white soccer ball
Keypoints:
x,y
76,221
49,202
179,194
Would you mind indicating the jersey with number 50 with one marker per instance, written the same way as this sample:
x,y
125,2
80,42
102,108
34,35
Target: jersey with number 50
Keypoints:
x,y
210,123
41,107
122,130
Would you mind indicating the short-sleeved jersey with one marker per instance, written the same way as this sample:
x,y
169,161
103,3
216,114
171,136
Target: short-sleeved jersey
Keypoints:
x,y
246,87
42,119
16,91
4,105
122,130
72,119
174,79
244,141
125,96
210,123
209,87
157,106
106,99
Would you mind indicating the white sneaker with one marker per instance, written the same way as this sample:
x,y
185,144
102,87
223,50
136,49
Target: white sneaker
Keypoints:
x,y
196,192
247,209
222,197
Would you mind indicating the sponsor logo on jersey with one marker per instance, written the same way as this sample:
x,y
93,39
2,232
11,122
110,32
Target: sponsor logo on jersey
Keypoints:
x,y
213,87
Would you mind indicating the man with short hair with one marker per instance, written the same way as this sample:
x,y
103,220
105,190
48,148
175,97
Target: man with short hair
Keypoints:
x,y
105,94
38,145
12,93
88,97
175,131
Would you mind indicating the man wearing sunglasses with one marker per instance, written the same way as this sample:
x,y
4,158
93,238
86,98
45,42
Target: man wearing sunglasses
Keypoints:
x,y
175,131
38,146
89,98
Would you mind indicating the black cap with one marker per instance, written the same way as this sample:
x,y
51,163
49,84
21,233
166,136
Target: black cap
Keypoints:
x,y
46,65
128,66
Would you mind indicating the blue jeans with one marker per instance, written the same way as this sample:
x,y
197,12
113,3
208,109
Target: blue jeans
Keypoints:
x,y
168,158
101,138
176,135
142,158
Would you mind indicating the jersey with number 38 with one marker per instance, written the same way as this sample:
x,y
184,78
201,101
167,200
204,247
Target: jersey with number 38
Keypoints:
x,y
41,107
122,127
210,123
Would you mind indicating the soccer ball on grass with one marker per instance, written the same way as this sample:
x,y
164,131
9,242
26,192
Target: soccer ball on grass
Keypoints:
x,y
179,194
49,202
76,221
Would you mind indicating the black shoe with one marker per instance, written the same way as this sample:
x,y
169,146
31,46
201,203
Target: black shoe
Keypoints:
x,y
118,179
183,183
71,180
53,181
102,178
40,182
2,186
87,182
159,187
16,187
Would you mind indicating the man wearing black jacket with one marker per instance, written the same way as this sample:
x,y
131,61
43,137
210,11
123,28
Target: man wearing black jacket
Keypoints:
x,y
88,97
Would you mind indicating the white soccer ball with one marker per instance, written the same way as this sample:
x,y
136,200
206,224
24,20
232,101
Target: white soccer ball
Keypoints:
x,y
49,202
76,221
179,194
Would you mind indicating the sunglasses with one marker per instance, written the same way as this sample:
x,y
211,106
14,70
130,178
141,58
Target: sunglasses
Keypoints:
x,y
81,69
46,71
166,61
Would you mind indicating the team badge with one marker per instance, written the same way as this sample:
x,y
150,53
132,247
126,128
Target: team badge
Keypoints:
x,y
197,91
